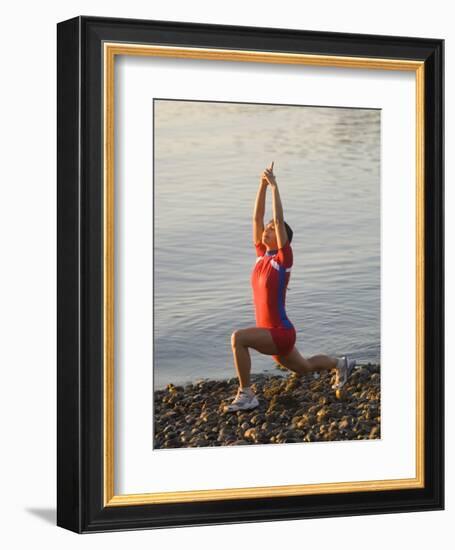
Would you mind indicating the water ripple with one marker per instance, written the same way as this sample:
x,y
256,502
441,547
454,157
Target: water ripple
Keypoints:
x,y
208,158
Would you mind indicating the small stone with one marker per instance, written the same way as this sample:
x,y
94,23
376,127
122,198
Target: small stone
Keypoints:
x,y
292,384
374,434
172,443
198,441
340,394
307,421
257,419
291,434
344,424
209,416
295,421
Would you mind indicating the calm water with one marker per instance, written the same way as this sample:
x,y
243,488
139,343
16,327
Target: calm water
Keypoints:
x,y
208,160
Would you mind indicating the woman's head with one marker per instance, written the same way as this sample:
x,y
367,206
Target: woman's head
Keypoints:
x,y
269,235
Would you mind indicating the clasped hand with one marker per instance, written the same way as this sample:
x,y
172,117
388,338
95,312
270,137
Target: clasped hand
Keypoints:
x,y
268,177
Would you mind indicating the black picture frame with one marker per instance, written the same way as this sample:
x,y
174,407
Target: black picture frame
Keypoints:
x,y
80,475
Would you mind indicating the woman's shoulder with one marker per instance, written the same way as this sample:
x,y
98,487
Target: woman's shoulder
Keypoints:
x,y
260,248
285,255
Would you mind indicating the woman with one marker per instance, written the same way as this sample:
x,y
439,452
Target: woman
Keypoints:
x,y
274,333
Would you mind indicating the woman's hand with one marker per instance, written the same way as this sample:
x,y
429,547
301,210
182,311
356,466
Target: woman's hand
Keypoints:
x,y
269,176
264,180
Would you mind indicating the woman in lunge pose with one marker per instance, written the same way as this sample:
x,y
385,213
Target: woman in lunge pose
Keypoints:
x,y
274,333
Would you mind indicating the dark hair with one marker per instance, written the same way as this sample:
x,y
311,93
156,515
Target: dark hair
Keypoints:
x,y
289,232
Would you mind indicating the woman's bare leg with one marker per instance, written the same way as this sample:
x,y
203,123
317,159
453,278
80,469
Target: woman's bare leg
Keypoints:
x,y
259,339
297,363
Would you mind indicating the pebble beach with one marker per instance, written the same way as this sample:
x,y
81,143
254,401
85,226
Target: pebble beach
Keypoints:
x,y
292,409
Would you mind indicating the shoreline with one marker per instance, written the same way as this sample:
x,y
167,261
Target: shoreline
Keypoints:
x,y
292,409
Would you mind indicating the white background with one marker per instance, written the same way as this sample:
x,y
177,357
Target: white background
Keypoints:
x,y
138,468
28,242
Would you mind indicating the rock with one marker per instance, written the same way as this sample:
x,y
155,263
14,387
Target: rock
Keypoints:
x,y
344,424
257,419
292,434
209,416
295,420
227,440
375,433
307,421
172,443
364,375
295,408
198,441
250,433
311,436
363,427
292,384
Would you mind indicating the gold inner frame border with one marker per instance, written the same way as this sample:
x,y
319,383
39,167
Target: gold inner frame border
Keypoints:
x,y
110,51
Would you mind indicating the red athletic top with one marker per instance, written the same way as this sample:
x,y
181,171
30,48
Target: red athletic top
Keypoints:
x,y
269,280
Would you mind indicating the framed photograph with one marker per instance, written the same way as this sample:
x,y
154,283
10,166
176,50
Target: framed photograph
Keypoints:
x,y
250,274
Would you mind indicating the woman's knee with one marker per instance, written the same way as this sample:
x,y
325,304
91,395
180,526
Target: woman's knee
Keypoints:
x,y
236,338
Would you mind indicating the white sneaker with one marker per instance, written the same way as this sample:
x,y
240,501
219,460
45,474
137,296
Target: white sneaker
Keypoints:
x,y
244,400
344,368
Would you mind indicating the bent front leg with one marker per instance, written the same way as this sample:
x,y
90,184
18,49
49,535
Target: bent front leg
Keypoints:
x,y
259,339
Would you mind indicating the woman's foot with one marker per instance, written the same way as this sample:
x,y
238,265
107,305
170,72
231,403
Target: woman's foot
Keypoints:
x,y
243,401
343,371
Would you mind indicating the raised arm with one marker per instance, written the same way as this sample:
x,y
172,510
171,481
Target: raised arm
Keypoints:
x,y
278,217
259,210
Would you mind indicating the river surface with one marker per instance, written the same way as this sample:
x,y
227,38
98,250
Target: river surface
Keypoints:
x,y
208,158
